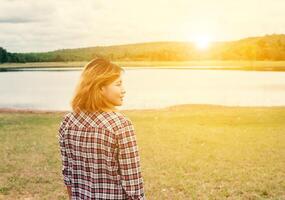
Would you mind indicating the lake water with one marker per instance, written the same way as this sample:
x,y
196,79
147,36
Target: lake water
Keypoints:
x,y
148,88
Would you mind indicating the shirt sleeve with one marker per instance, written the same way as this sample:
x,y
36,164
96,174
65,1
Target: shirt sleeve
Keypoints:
x,y
66,171
129,162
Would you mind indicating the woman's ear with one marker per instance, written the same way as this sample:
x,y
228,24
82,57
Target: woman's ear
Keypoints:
x,y
102,90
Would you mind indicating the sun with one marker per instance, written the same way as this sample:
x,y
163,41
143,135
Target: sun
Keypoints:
x,y
202,42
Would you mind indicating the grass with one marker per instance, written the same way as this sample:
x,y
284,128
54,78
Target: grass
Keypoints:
x,y
204,64
187,152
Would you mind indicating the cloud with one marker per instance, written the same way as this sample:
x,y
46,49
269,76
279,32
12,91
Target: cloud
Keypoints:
x,y
24,11
15,20
38,25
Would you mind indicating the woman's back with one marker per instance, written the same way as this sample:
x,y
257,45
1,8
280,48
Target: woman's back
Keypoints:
x,y
100,156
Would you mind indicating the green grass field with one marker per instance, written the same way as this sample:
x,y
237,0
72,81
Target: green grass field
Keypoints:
x,y
240,65
187,152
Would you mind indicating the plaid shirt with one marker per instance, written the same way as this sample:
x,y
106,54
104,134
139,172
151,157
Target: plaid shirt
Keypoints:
x,y
100,157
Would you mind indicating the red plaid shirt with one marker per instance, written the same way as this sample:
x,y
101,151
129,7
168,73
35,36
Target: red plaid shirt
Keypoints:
x,y
100,158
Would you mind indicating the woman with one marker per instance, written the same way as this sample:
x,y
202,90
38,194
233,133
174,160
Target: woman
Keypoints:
x,y
99,152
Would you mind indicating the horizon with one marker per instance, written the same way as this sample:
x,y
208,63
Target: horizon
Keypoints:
x,y
203,47
49,26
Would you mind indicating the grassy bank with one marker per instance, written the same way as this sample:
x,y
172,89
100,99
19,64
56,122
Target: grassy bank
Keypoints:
x,y
187,152
244,65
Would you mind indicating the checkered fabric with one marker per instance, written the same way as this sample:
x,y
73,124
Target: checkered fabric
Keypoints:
x,y
100,158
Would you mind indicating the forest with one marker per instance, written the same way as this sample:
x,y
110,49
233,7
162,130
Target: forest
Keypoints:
x,y
268,47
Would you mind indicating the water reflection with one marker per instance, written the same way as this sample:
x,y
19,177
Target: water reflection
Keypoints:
x,y
148,88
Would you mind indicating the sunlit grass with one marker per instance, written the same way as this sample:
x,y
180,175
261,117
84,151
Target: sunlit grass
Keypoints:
x,y
187,152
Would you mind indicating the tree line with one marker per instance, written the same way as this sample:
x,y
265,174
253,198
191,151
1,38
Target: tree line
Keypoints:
x,y
268,47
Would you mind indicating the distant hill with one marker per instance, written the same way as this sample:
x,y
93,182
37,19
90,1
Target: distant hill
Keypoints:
x,y
268,47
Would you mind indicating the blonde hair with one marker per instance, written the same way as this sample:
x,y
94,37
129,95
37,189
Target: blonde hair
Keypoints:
x,y
97,73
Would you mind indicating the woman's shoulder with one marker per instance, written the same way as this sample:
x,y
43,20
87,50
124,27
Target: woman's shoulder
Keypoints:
x,y
64,121
119,120
110,120
66,117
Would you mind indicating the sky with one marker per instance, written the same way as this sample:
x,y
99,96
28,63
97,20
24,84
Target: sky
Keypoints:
x,y
41,25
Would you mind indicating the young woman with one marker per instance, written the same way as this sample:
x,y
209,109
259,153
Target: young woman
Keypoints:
x,y
99,152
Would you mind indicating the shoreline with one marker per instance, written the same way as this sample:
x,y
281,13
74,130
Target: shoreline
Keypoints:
x,y
245,65
49,69
168,108
236,63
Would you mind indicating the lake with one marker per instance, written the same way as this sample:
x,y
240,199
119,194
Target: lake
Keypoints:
x,y
48,89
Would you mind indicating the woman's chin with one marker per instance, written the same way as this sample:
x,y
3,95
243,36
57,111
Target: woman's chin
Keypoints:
x,y
121,102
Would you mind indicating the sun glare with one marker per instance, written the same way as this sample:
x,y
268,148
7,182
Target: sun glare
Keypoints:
x,y
202,42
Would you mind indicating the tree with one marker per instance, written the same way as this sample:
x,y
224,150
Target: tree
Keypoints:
x,y
3,55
